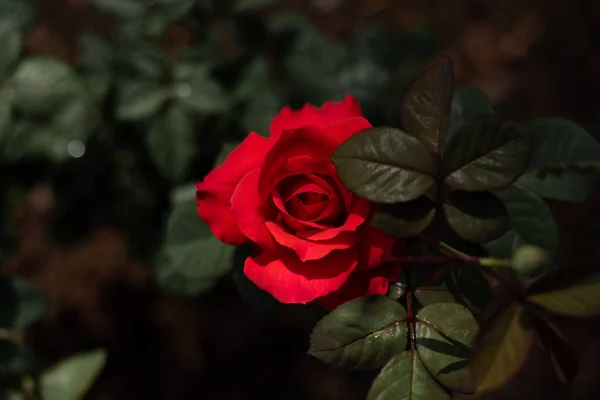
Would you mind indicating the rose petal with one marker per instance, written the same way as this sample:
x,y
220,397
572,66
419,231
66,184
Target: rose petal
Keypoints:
x,y
307,250
341,130
358,214
294,185
251,213
214,192
330,112
375,248
307,141
362,283
290,280
293,223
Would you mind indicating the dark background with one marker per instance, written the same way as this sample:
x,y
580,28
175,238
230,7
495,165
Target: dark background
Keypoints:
x,y
75,238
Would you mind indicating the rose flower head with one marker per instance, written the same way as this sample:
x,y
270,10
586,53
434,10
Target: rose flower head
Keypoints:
x,y
281,193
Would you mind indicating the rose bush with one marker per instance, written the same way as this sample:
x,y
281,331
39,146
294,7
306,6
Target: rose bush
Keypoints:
x,y
281,193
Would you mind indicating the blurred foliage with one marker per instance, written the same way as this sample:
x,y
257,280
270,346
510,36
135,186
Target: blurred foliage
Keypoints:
x,y
121,133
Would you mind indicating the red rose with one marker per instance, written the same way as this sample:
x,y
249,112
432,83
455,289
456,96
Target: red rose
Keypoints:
x,y
282,194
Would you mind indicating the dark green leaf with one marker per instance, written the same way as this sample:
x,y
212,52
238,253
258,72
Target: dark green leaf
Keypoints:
x,y
121,8
486,153
19,13
426,107
16,359
558,142
250,5
404,219
140,100
43,85
150,27
564,161
147,61
317,80
405,377
72,378
385,165
10,47
476,216
427,295
21,304
194,260
176,9
502,349
468,103
474,288
445,333
531,220
578,299
29,139
11,394
473,228
78,118
97,54
5,121
574,184
362,333
202,93
171,143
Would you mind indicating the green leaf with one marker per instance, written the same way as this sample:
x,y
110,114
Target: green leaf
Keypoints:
x,y
97,55
531,220
564,161
78,118
10,47
176,9
476,216
16,359
486,153
573,299
251,5
125,9
445,333
385,165
6,121
316,80
572,185
502,349
405,377
43,85
474,288
11,394
404,219
362,333
21,304
18,13
466,286
468,103
194,259
426,107
202,93
146,60
171,143
140,100
558,142
72,378
30,139
260,110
